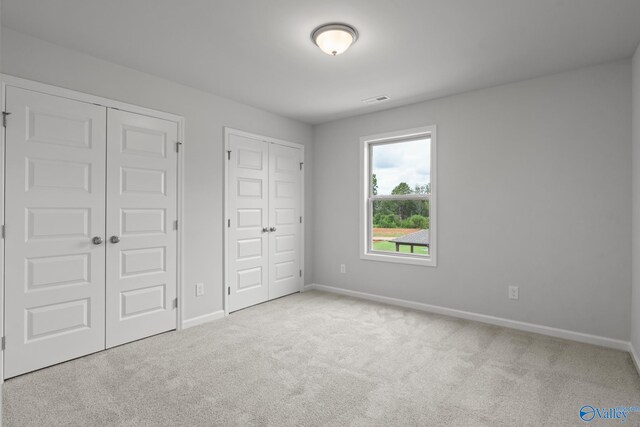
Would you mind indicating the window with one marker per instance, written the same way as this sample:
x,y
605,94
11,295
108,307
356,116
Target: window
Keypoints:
x,y
398,203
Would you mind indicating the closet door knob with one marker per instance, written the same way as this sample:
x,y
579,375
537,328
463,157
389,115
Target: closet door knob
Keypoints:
x,y
265,230
272,229
114,239
97,240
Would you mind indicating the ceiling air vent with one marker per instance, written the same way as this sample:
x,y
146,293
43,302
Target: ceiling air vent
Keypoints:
x,y
376,99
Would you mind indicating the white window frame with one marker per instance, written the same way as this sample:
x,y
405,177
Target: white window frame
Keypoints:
x,y
365,197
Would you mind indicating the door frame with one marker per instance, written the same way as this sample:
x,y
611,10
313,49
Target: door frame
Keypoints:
x,y
227,132
18,82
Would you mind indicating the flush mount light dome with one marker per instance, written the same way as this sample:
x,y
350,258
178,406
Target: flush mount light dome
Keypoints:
x,y
334,39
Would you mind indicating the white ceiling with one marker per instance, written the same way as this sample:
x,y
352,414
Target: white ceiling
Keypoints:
x,y
259,52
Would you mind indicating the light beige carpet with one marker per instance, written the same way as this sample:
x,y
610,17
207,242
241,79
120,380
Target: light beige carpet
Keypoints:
x,y
322,359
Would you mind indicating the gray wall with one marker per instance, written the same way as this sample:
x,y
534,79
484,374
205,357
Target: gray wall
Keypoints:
x,y
205,116
534,181
635,310
534,184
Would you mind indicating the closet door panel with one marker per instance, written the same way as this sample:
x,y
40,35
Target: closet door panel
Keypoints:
x,y
248,186
141,238
55,206
284,219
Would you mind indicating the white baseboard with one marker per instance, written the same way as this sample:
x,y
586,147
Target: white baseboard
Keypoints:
x,y
189,323
635,356
492,320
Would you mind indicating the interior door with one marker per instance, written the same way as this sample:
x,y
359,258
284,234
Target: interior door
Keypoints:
x,y
248,222
284,220
55,207
141,238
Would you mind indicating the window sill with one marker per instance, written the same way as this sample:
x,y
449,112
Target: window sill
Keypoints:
x,y
399,259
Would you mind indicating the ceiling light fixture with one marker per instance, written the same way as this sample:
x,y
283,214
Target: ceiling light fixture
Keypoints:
x,y
334,39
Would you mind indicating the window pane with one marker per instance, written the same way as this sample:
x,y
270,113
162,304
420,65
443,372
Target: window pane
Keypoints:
x,y
401,167
400,226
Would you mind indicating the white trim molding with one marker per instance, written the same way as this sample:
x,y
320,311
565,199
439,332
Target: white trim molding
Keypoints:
x,y
9,80
200,320
483,318
635,356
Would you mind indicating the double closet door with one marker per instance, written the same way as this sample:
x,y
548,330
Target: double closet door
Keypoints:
x,y
264,197
90,246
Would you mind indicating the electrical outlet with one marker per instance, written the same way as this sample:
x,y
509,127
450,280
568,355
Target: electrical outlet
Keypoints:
x,y
513,292
199,289
343,268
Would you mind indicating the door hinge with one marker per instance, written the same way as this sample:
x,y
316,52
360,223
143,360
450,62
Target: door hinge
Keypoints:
x,y
4,118
228,290
300,220
178,144
301,163
228,223
300,273
228,154
175,303
175,224
3,230
3,343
